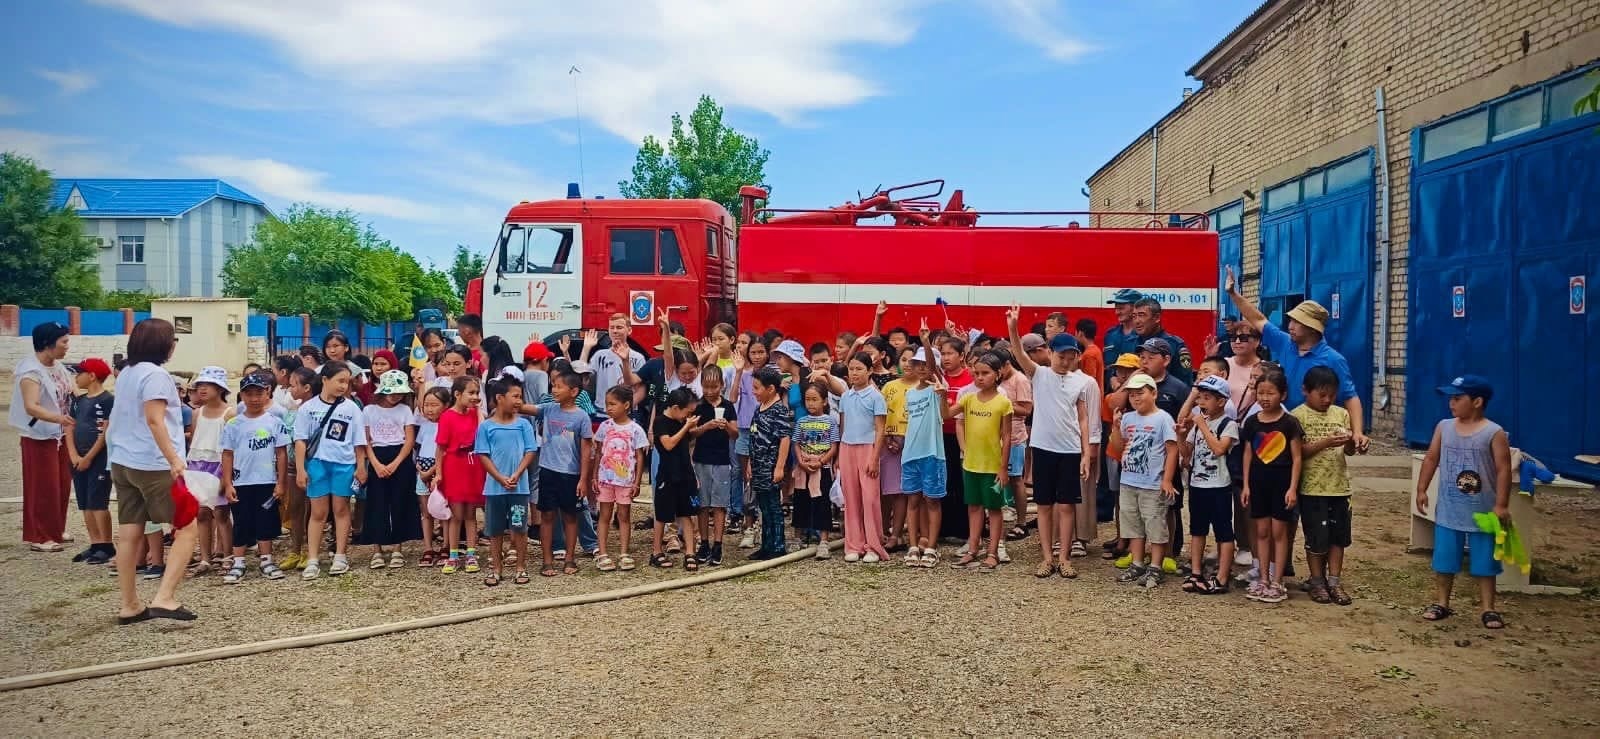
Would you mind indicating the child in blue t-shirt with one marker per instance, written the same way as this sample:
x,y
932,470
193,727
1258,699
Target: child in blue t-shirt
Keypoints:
x,y
1472,456
922,468
254,468
564,465
505,445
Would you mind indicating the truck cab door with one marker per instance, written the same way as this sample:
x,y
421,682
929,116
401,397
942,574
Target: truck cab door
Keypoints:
x,y
534,282
646,263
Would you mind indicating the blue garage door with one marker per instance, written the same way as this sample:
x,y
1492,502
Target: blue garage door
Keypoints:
x,y
1316,244
1505,240
1228,221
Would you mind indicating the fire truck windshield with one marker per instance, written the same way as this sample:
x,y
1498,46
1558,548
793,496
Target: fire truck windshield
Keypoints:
x,y
533,248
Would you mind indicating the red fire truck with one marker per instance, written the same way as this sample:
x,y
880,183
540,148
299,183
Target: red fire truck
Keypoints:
x,y
561,265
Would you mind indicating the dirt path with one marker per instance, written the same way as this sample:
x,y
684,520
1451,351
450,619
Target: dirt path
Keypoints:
x,y
828,648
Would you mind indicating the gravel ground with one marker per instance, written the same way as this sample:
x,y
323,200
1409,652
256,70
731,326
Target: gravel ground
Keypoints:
x,y
814,649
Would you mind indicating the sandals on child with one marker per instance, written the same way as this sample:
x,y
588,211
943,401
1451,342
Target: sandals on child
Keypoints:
x,y
625,563
234,574
1493,620
1336,592
1436,612
1212,586
604,563
1320,594
521,578
660,561
1044,570
491,580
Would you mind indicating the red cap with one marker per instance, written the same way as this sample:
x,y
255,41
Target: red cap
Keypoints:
x,y
536,352
94,366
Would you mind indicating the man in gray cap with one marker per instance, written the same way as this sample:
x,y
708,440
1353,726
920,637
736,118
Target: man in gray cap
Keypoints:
x,y
1146,317
1121,339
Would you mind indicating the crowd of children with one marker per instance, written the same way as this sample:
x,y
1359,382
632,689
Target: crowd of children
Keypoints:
x,y
469,456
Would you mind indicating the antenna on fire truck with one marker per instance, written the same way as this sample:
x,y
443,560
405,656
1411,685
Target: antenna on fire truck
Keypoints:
x,y
577,114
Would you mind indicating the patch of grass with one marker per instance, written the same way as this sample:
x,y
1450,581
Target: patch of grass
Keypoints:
x,y
757,577
863,579
1396,672
95,590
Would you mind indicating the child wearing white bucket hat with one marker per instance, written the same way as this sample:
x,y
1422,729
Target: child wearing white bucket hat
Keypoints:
x,y
209,389
390,516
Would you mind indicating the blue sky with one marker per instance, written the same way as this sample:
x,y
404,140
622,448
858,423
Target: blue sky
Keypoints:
x,y
431,119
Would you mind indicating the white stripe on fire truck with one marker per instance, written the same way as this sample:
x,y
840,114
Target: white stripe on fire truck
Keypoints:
x,y
1186,298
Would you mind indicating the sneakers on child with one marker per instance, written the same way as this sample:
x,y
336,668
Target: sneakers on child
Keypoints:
x,y
472,563
823,550
1151,579
1243,558
340,566
450,566
749,540
1132,574
1001,554
852,557
313,570
871,558
1008,514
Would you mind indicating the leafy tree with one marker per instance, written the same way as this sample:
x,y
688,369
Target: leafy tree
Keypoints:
x,y
467,266
704,159
45,260
329,264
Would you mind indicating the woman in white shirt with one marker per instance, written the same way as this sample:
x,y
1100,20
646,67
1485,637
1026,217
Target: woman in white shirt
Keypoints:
x,y
146,449
41,415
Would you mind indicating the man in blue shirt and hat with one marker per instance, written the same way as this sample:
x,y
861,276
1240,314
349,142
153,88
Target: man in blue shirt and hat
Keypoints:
x,y
1121,339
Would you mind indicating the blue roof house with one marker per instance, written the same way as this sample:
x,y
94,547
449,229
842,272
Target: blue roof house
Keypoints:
x,y
168,237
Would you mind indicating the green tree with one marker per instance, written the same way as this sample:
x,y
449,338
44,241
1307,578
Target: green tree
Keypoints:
x,y
703,159
467,266
330,265
45,260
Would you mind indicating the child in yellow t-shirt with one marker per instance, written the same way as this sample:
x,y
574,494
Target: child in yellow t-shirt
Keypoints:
x,y
1325,485
986,420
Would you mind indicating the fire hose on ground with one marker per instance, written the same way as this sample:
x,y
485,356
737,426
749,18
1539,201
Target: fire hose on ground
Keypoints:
x,y
37,680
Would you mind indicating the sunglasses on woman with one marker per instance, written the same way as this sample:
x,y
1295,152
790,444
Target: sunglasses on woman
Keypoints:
x,y
1244,337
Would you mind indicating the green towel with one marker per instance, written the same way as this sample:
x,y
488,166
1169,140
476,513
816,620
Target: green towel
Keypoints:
x,y
1508,545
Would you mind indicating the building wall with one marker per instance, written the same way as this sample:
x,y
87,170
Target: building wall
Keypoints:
x,y
183,256
1302,96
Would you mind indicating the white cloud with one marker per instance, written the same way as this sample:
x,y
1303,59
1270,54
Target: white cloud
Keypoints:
x,y
288,183
401,62
1039,23
68,82
69,156
10,107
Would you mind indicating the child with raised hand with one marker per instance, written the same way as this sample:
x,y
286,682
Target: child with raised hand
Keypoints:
x,y
210,392
389,516
505,445
862,419
714,436
816,440
1325,485
922,462
457,474
986,424
1205,448
330,437
1469,453
890,477
764,471
1148,439
621,445
675,497
742,383
434,403
564,465
1273,449
254,470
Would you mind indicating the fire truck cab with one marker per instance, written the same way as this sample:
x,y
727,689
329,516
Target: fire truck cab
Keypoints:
x,y
563,265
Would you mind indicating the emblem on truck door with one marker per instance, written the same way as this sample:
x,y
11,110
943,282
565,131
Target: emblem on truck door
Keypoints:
x,y
641,307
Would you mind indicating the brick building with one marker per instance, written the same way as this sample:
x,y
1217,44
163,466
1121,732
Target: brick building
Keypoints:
x,y
1490,192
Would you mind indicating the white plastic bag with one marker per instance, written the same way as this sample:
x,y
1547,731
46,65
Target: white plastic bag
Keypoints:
x,y
836,493
438,507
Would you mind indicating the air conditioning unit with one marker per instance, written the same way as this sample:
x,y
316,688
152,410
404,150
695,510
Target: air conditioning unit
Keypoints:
x,y
235,328
103,242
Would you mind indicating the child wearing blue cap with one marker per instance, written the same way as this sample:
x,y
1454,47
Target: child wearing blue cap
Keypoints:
x,y
1470,453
